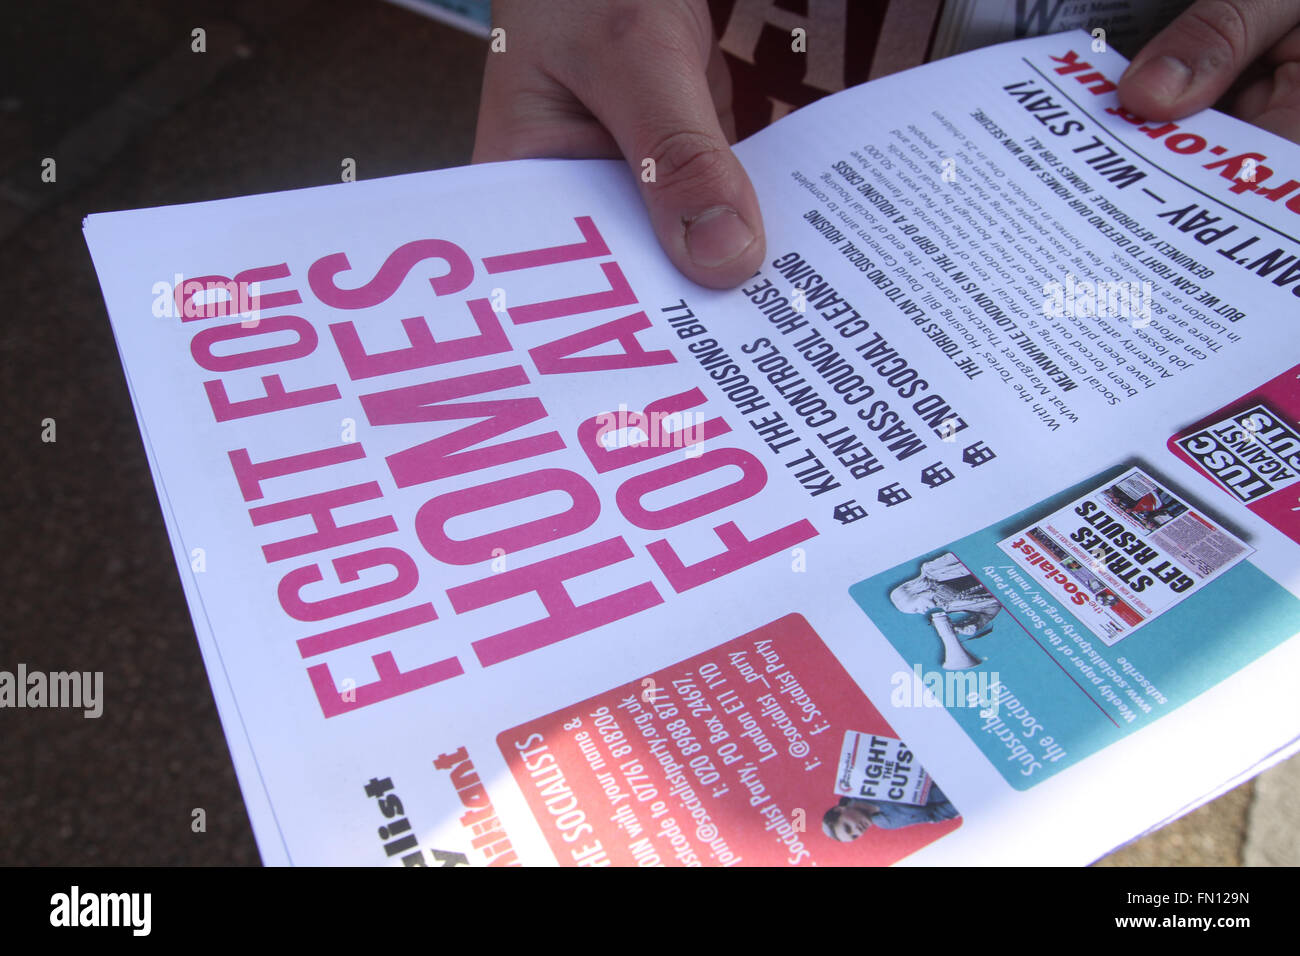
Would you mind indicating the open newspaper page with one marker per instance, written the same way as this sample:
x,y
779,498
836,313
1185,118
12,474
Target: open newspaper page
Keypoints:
x,y
506,544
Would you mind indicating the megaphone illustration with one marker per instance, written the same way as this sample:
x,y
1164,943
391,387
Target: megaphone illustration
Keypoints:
x,y
955,655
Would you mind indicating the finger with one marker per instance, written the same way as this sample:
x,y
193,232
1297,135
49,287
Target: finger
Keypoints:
x,y
1192,62
1273,102
528,116
1287,50
653,96
719,80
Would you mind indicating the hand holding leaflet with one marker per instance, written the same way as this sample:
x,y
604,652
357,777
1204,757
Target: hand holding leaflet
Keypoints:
x,y
377,414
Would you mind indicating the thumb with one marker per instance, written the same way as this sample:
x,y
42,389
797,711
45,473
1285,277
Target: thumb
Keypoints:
x,y
702,205
1190,64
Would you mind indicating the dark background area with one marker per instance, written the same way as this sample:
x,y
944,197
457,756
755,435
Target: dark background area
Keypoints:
x,y
133,117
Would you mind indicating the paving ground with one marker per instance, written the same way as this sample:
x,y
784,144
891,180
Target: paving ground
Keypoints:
x,y
133,117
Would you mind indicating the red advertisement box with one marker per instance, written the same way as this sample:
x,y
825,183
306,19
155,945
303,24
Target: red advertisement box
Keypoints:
x,y
1250,449
737,756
